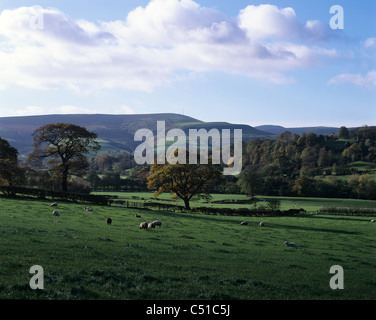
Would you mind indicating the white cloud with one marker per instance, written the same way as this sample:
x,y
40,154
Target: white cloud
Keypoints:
x,y
370,42
38,110
153,46
125,110
28,110
69,109
367,80
268,21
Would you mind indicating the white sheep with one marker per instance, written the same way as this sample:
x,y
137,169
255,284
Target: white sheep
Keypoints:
x,y
53,204
88,209
262,224
244,223
373,221
290,244
55,213
151,225
157,223
143,225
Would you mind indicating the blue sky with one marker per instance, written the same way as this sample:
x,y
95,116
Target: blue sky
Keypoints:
x,y
252,62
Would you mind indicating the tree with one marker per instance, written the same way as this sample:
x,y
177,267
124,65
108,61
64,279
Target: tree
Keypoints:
x,y
111,180
304,186
363,186
343,133
10,173
104,162
62,148
184,181
93,179
250,180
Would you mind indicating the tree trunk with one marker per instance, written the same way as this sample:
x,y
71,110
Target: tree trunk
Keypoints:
x,y
64,181
186,203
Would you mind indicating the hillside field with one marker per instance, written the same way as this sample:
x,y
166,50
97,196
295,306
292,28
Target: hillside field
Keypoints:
x,y
192,256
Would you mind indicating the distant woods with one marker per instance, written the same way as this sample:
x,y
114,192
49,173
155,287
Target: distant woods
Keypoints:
x,y
311,165
68,158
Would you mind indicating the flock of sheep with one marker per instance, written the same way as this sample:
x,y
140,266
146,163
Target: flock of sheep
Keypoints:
x,y
152,225
143,225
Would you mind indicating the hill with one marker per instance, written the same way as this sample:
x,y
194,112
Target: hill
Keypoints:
x,y
115,132
277,130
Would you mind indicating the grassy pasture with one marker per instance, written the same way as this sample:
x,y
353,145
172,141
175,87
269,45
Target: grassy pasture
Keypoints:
x,y
191,256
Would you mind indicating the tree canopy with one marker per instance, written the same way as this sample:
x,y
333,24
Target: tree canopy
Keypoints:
x,y
185,181
62,147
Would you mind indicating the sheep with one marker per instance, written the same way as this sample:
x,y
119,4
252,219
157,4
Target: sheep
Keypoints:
x,y
143,225
157,223
137,216
55,213
262,224
88,209
244,223
290,244
109,221
53,204
373,221
151,225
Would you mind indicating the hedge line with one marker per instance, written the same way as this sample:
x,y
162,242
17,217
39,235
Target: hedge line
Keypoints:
x,y
55,195
219,211
347,211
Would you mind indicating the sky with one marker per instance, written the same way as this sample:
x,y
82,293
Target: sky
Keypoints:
x,y
284,62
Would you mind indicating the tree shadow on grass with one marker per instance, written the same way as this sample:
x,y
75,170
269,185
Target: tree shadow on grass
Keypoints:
x,y
344,218
313,229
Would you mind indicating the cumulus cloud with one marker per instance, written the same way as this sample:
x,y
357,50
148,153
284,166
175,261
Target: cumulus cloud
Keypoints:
x,y
367,81
154,45
268,22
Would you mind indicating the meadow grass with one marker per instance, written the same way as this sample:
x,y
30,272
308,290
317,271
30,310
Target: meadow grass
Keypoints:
x,y
191,256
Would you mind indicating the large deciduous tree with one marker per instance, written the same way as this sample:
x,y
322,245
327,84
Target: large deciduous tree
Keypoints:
x,y
62,147
10,173
185,181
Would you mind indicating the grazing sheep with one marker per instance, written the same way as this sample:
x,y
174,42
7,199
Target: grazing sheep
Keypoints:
x,y
262,224
108,220
151,225
290,244
88,209
55,213
143,225
137,216
244,223
372,221
157,223
53,204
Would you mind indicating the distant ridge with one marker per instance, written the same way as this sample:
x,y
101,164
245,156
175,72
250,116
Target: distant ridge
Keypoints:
x,y
115,132
273,129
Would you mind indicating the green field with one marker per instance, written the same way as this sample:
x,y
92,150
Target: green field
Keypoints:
x,y
192,256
